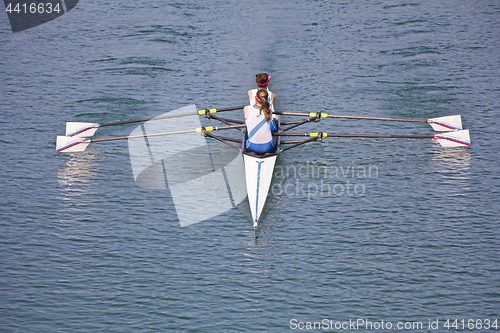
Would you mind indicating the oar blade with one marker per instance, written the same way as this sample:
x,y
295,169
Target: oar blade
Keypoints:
x,y
448,123
66,144
454,139
80,130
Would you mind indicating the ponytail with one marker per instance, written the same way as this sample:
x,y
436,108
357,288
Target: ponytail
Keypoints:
x,y
262,97
267,111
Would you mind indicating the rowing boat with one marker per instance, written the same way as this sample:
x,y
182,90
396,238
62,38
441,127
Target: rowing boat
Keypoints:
x,y
259,168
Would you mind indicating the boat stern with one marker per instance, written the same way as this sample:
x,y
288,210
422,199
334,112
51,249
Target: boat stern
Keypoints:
x,y
259,174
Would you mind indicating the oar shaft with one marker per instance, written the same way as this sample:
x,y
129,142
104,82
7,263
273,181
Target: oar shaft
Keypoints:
x,y
169,133
359,135
142,136
350,117
128,122
376,118
168,116
380,136
231,108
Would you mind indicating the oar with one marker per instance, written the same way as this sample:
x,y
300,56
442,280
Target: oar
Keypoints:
x,y
79,129
438,124
459,138
69,144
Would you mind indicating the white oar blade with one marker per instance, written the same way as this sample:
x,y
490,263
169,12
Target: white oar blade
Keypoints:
x,y
449,123
66,144
80,130
454,139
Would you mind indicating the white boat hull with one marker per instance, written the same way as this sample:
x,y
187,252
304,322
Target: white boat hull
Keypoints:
x,y
259,174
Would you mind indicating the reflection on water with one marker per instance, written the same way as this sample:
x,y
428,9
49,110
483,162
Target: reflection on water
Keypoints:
x,y
455,161
75,179
78,169
452,168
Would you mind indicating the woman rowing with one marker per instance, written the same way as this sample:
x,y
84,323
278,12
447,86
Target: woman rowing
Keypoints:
x,y
260,124
262,80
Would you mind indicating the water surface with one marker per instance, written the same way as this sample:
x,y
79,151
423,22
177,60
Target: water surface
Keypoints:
x,y
84,249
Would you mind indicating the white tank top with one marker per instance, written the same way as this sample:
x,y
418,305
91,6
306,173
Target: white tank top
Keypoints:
x,y
263,135
269,93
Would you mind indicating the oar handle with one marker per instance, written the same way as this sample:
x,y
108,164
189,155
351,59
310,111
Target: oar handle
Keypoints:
x,y
169,116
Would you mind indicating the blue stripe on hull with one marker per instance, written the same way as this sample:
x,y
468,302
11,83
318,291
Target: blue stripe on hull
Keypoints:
x,y
258,184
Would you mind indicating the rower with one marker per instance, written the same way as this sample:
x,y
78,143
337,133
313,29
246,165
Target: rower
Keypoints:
x,y
262,80
260,124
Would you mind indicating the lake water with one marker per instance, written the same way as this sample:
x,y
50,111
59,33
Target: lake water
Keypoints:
x,y
392,230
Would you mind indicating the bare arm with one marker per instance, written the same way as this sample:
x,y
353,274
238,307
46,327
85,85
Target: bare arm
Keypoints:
x,y
245,111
